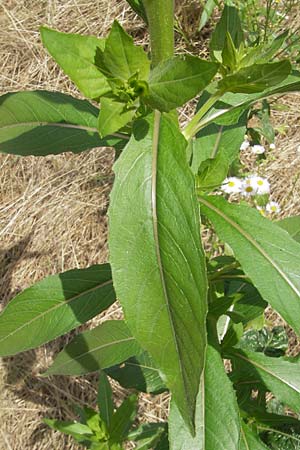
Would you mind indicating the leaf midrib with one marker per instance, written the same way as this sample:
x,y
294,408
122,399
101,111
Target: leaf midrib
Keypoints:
x,y
58,305
252,241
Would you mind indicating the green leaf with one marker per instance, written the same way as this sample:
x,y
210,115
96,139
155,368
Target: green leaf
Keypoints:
x,y
229,53
279,375
229,23
76,56
79,431
113,115
267,254
139,373
106,345
105,399
121,58
41,123
256,78
217,417
138,7
292,226
250,305
229,108
164,302
122,419
212,172
249,440
54,306
206,13
147,435
175,81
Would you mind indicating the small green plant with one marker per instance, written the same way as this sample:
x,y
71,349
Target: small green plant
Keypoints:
x,y
186,311
108,429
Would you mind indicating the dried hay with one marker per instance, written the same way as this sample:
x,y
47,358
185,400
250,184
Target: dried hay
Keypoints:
x,y
53,209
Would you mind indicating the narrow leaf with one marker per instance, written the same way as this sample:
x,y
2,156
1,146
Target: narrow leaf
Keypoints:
x,y
279,375
206,13
105,399
41,123
79,431
217,417
258,243
138,7
164,302
256,78
147,435
123,418
76,56
175,81
106,345
53,307
138,373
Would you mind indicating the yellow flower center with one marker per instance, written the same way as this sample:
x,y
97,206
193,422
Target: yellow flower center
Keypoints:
x,y
260,182
231,183
249,189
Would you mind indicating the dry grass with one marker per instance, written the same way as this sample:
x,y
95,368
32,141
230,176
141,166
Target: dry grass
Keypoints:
x,y
53,209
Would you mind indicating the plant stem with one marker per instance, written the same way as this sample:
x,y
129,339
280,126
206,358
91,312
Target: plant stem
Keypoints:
x,y
193,126
160,15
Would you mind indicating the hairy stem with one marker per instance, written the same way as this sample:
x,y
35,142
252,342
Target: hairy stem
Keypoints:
x,y
160,15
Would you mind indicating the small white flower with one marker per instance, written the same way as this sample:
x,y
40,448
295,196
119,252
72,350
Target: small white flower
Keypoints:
x,y
247,188
272,146
231,185
273,207
244,145
261,185
258,149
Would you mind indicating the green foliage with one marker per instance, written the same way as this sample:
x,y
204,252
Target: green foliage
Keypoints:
x,y
175,81
105,345
174,297
252,238
54,306
140,244
41,123
76,56
216,404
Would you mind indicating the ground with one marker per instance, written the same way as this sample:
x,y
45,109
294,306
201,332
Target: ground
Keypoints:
x,y
53,209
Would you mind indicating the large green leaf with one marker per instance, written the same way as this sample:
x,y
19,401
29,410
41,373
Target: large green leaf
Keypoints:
x,y
256,78
41,123
53,307
113,115
267,254
217,417
138,373
76,56
292,226
250,440
175,81
279,375
106,345
156,255
122,59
